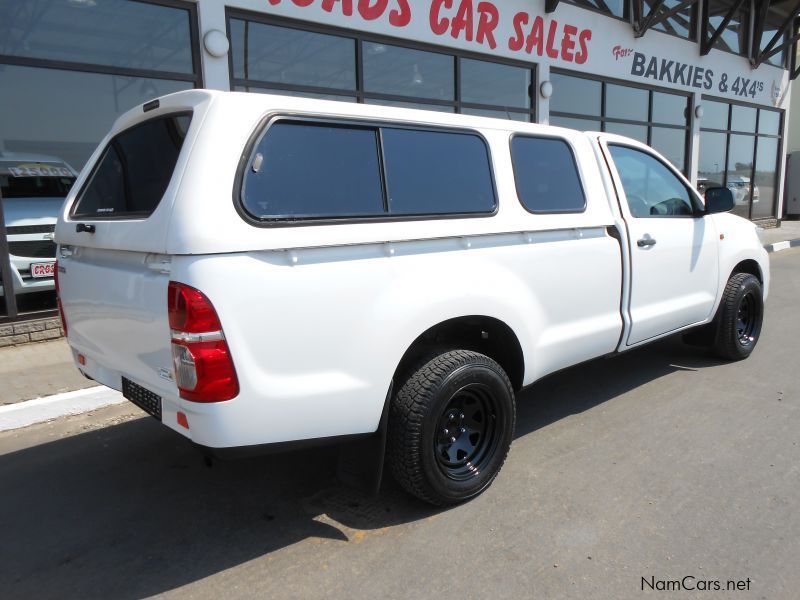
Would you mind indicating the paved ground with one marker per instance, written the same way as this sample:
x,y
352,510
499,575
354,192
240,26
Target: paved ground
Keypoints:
x,y
39,369
789,230
661,463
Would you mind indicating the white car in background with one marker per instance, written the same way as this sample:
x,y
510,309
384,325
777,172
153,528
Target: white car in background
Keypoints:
x,y
740,186
33,188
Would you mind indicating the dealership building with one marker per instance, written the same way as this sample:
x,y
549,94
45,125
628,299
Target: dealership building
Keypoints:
x,y
705,82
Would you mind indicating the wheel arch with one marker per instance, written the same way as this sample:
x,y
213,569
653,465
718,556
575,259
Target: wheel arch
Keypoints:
x,y
480,333
750,266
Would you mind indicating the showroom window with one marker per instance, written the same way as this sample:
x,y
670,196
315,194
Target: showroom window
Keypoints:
x,y
268,57
67,71
651,117
740,149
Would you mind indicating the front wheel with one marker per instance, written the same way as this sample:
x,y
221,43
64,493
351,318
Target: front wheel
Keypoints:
x,y
741,313
450,427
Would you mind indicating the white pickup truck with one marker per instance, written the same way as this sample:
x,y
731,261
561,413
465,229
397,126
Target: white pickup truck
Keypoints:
x,y
257,271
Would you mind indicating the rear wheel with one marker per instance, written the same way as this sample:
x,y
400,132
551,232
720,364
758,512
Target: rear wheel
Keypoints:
x,y
450,427
741,313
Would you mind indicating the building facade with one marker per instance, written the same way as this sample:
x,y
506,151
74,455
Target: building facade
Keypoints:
x,y
705,82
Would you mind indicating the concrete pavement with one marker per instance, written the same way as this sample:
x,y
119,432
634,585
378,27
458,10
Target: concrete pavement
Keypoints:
x,y
661,463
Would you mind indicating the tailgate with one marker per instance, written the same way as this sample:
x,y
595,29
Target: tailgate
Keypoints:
x,y
115,306
112,273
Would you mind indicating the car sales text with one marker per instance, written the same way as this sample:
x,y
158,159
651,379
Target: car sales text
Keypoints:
x,y
475,21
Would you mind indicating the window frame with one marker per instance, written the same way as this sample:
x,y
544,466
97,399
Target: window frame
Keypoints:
x,y
9,311
366,123
578,171
650,123
697,201
729,131
360,38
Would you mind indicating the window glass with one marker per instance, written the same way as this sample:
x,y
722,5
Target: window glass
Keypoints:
x,y
492,83
135,170
671,143
769,122
299,94
670,109
431,172
20,185
575,95
114,33
407,72
291,56
715,115
496,114
740,170
651,189
776,17
743,118
417,105
764,193
735,35
711,170
546,175
624,102
65,114
636,132
574,123
314,170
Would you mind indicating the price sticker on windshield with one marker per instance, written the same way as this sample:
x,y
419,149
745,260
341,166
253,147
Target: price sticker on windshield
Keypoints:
x,y
39,170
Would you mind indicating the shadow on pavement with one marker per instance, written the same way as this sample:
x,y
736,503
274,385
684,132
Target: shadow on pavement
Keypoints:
x,y
130,510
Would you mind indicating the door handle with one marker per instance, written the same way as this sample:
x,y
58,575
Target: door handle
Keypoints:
x,y
644,242
84,228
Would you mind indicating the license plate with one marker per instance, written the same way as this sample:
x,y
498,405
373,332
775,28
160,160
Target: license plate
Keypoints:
x,y
142,397
39,270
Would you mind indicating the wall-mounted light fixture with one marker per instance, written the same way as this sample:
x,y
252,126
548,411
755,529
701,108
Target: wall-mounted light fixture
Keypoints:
x,y
546,89
216,43
698,112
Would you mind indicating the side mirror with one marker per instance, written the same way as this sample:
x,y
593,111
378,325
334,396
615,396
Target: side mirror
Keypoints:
x,y
718,200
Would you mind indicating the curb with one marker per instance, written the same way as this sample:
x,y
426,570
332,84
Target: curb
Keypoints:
x,y
784,245
30,412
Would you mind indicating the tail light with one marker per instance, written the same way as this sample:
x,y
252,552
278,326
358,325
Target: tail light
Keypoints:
x,y
58,299
203,366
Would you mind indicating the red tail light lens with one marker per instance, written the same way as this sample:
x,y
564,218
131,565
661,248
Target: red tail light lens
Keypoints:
x,y
190,311
58,299
204,369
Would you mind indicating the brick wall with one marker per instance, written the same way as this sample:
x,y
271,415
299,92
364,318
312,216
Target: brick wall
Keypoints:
x,y
12,334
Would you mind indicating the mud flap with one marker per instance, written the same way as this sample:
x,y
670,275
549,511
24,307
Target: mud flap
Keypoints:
x,y
360,463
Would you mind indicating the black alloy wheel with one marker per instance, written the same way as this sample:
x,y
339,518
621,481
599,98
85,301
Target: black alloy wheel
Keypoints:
x,y
739,318
450,426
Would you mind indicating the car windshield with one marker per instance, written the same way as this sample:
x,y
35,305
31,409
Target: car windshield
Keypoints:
x,y
35,187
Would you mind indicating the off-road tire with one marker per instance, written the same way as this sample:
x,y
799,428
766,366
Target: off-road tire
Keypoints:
x,y
421,457
740,317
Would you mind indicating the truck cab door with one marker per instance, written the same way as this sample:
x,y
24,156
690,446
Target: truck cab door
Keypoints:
x,y
673,245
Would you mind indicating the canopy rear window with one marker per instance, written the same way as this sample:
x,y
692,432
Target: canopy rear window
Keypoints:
x,y
134,171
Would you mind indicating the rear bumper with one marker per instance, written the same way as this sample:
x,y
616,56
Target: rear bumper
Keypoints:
x,y
222,430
